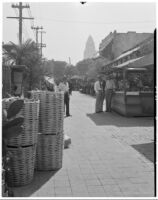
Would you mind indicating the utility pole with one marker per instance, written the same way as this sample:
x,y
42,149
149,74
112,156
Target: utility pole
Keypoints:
x,y
20,7
41,44
37,28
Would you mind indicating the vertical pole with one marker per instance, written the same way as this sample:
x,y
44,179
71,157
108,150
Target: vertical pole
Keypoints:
x,y
20,18
20,23
36,36
41,43
124,79
124,84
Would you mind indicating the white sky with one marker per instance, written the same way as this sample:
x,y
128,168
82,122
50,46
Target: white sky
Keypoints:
x,y
68,25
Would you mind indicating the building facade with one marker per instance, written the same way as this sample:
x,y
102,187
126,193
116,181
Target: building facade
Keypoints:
x,y
133,73
115,43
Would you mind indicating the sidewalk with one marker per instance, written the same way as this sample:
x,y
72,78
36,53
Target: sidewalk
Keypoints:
x,y
110,156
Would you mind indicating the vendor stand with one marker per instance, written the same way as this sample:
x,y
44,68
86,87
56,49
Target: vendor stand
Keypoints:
x,y
134,94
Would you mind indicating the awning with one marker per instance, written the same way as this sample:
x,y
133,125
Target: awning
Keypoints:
x,y
127,53
143,61
126,63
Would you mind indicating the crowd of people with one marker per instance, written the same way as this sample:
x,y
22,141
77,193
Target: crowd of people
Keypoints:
x,y
103,90
87,87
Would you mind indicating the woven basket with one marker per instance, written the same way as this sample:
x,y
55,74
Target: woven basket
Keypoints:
x,y
30,111
51,114
49,151
21,165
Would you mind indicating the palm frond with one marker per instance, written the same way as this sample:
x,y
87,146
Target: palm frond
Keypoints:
x,y
23,53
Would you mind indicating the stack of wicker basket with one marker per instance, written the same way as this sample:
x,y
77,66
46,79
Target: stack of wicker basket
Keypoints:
x,y
50,139
23,147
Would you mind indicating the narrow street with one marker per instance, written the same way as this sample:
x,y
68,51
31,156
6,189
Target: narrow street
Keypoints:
x,y
110,156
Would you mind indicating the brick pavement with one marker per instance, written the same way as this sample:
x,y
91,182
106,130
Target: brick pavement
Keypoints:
x,y
110,156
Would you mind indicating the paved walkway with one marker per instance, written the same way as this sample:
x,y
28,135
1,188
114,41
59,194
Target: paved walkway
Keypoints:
x,y
110,156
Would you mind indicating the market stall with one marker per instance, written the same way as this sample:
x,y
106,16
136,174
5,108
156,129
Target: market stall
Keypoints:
x,y
134,94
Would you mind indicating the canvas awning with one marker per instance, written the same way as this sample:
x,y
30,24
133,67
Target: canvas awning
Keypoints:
x,y
127,53
143,61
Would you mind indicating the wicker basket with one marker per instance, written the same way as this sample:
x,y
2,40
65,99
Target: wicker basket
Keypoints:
x,y
30,111
49,151
51,114
21,165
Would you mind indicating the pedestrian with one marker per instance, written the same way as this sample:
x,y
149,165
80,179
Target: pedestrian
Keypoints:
x,y
109,89
64,86
103,84
99,95
70,86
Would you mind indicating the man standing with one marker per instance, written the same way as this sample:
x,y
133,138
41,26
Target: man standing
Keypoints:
x,y
109,88
64,86
99,95
70,86
103,84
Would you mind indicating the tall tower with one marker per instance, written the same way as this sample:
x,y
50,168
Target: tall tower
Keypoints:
x,y
89,51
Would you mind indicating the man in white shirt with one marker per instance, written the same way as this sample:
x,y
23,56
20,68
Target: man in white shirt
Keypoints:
x,y
109,89
64,86
99,95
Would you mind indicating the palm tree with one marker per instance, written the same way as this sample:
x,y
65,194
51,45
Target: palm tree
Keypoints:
x,y
25,54
21,54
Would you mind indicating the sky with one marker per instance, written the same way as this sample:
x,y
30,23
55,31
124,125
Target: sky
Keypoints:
x,y
68,25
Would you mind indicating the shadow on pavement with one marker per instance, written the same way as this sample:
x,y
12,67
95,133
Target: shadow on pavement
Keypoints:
x,y
147,150
109,119
40,178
